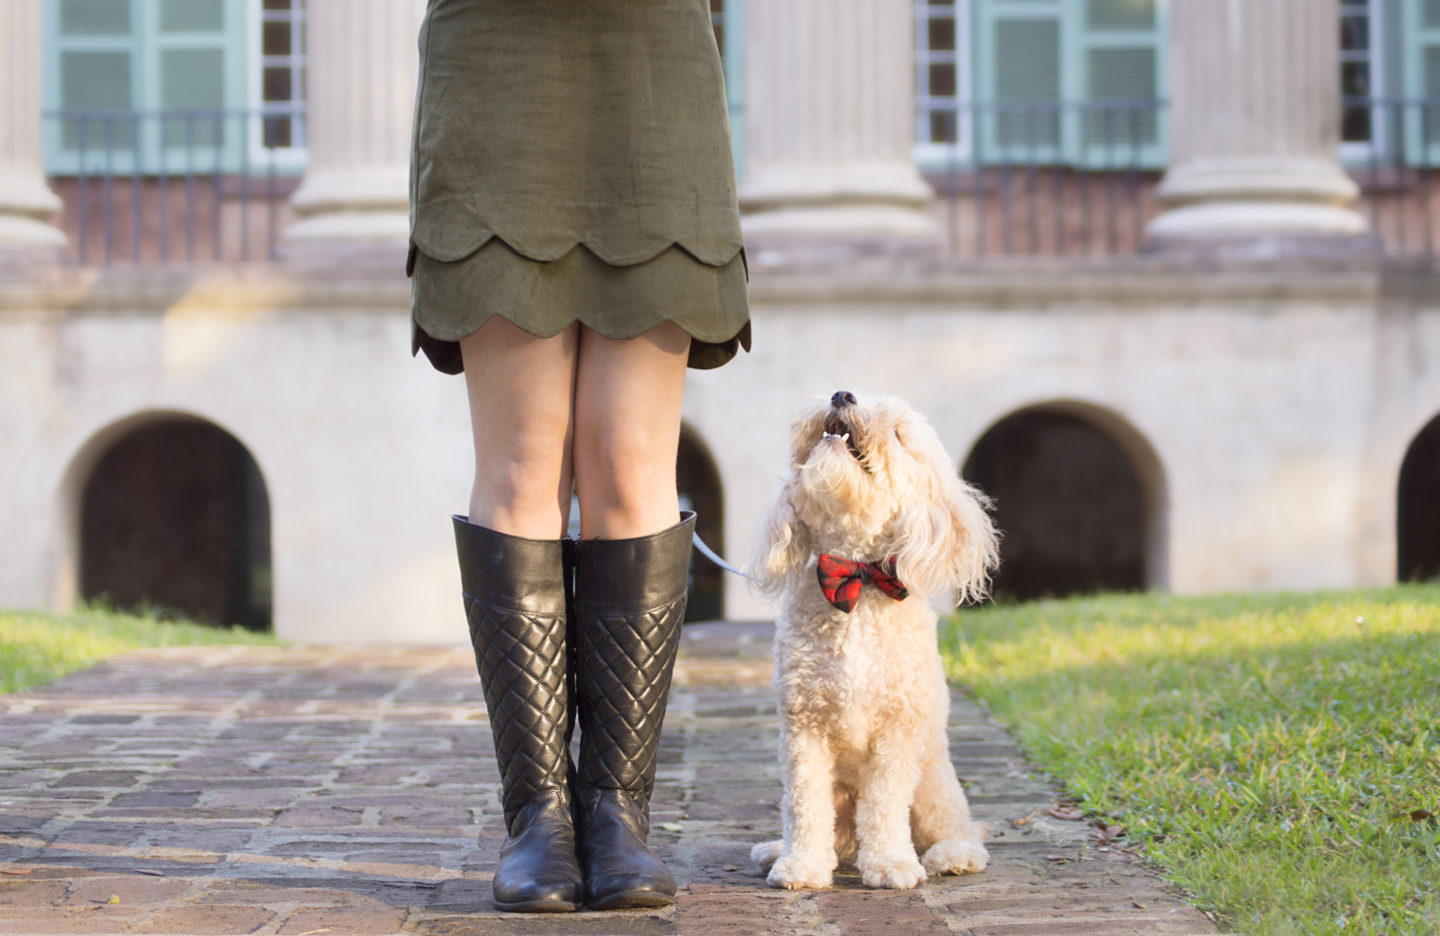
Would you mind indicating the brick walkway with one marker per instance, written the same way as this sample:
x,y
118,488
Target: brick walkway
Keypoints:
x,y
334,791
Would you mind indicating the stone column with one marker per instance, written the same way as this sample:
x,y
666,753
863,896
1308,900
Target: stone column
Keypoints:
x,y
830,126
361,67
26,202
1254,125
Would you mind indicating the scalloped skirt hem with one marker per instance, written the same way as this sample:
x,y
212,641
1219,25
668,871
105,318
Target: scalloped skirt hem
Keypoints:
x,y
450,300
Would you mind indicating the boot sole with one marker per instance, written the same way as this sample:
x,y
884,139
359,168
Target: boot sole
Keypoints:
x,y
537,906
632,900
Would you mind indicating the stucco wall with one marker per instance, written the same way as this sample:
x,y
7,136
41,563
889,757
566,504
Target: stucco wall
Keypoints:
x,y
1267,412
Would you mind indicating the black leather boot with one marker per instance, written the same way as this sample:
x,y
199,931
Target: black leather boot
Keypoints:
x,y
630,600
516,595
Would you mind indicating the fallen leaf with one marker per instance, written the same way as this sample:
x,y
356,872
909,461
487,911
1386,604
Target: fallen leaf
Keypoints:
x,y
1067,813
15,870
1137,904
1420,815
114,899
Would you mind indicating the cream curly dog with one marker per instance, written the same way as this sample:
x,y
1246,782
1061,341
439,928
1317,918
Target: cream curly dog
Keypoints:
x,y
872,520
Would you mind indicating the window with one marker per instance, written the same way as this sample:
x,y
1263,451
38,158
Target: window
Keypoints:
x,y
141,85
942,80
1420,29
728,19
1041,81
277,82
1360,114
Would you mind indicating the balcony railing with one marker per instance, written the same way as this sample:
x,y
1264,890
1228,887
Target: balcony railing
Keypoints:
x,y
1019,180
160,187
1046,179
1079,179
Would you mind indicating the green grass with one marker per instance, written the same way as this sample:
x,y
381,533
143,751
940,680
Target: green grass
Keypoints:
x,y
1276,755
36,647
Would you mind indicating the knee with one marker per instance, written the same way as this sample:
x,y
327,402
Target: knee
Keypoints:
x,y
525,468
625,468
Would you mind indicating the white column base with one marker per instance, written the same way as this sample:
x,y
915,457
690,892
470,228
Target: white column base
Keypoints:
x,y
347,206
20,231
350,226
831,212
25,206
842,220
1242,219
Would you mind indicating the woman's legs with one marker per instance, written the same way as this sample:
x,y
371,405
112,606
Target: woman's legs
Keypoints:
x,y
521,392
627,431
515,579
630,584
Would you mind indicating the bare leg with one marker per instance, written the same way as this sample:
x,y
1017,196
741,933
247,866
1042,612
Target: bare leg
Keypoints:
x,y
521,391
627,431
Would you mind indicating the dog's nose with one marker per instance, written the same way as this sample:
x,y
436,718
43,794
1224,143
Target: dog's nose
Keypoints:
x,y
842,398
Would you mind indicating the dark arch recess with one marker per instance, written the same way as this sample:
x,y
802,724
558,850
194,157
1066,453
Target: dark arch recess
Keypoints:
x,y
1417,508
698,481
174,517
1076,511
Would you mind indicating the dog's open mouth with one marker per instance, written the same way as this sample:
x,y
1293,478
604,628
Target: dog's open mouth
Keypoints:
x,y
838,428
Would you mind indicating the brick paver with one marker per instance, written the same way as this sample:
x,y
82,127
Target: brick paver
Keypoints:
x,y
342,791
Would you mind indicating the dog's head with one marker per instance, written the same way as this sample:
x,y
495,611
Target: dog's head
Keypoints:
x,y
869,479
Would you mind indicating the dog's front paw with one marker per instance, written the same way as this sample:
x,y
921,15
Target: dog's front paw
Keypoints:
x,y
900,872
765,853
794,872
955,856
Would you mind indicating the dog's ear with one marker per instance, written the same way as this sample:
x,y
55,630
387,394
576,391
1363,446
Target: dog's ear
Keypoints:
x,y
784,547
946,538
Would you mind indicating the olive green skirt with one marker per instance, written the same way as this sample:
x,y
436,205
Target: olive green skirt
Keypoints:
x,y
571,163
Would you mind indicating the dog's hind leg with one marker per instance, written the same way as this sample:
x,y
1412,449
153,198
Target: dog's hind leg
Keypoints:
x,y
949,841
847,845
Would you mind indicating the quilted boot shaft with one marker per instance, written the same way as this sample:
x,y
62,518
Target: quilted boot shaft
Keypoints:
x,y
630,600
630,596
515,602
517,596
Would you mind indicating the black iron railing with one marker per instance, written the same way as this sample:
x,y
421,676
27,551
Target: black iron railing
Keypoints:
x,y
1014,180
1047,178
1080,179
1395,166
191,186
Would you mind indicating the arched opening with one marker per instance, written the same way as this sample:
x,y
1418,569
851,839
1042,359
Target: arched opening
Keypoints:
x,y
1079,497
174,516
1417,508
699,483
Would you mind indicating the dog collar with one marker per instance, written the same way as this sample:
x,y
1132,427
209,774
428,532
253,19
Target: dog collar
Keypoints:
x,y
842,579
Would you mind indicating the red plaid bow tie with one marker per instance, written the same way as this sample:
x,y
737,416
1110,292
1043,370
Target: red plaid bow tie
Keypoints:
x,y
841,580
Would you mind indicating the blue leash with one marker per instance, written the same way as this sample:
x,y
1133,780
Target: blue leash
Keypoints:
x,y
714,557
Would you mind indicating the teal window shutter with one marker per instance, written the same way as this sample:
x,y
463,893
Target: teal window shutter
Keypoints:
x,y
90,64
729,19
1421,32
1021,79
196,71
1120,56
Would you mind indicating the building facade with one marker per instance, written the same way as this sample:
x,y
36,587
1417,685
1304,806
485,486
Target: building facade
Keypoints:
x,y
1160,273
